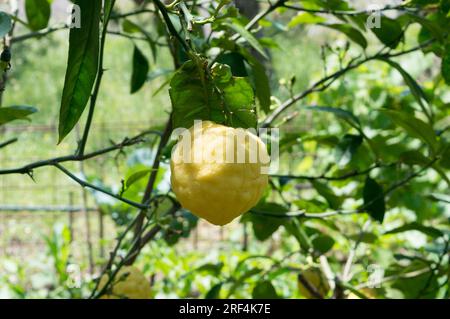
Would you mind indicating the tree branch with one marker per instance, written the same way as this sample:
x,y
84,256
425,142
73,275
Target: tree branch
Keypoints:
x,y
362,209
8,142
28,169
99,189
334,178
347,13
325,82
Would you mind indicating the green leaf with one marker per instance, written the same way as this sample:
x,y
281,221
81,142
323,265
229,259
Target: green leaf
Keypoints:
x,y
11,113
262,85
415,127
413,158
236,26
431,24
239,98
416,90
445,66
136,176
82,66
352,33
412,287
130,27
429,231
140,70
347,148
5,24
323,244
264,290
213,269
236,62
373,196
368,238
38,13
263,225
237,283
390,32
296,229
107,9
201,94
305,18
214,292
326,192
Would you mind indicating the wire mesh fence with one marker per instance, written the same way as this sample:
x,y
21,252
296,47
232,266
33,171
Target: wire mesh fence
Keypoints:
x,y
30,206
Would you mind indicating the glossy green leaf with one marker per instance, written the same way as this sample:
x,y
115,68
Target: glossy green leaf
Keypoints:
x,y
264,290
140,70
235,61
107,9
264,225
430,24
12,113
429,231
296,229
219,97
130,27
323,244
262,85
415,88
236,26
82,66
413,286
38,13
368,238
136,176
326,192
5,24
373,196
239,98
390,32
414,126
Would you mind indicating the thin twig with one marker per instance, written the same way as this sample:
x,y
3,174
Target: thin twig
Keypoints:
x,y
99,189
8,142
334,178
346,13
325,82
28,169
392,188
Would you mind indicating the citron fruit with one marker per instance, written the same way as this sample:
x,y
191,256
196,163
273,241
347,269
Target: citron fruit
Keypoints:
x,y
316,280
218,172
129,283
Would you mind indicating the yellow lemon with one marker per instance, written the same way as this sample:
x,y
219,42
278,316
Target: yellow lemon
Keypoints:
x,y
129,283
218,172
316,281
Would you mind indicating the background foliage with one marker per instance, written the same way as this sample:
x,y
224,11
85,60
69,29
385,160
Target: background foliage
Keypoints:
x,y
363,115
